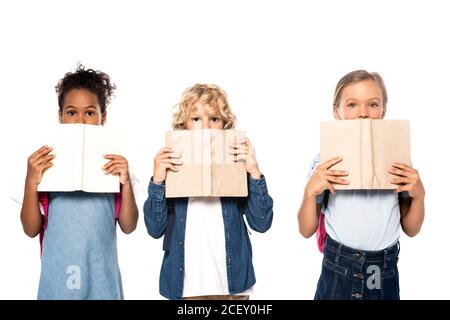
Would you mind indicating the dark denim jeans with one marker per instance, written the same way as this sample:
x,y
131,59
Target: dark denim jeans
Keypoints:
x,y
349,274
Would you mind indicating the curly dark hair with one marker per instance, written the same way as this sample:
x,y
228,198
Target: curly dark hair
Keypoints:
x,y
96,82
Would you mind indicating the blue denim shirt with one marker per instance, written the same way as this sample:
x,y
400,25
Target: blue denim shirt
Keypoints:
x,y
168,217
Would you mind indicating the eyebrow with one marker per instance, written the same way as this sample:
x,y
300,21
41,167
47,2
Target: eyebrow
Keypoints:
x,y
350,99
86,107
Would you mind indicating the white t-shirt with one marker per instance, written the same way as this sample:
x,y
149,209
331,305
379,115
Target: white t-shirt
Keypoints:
x,y
205,269
362,219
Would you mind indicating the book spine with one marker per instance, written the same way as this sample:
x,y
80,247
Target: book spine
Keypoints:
x,y
366,154
79,158
206,163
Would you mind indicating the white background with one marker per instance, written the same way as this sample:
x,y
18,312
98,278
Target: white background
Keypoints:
x,y
279,62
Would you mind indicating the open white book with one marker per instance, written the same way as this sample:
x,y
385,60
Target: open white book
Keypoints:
x,y
79,151
368,147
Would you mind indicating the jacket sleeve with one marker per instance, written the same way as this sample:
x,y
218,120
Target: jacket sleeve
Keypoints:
x,y
155,210
258,205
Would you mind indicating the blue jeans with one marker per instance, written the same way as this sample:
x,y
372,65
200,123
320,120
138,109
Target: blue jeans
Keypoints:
x,y
349,274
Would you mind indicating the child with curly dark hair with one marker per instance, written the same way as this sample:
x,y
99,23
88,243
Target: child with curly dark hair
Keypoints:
x,y
79,250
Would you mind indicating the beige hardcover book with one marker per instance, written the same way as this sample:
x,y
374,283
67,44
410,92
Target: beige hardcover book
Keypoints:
x,y
208,169
368,148
79,150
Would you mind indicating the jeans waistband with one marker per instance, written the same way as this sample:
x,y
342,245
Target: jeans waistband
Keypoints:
x,y
341,250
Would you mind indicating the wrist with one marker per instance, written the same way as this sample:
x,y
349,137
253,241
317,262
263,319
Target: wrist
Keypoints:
x,y
126,184
255,173
31,185
310,193
157,180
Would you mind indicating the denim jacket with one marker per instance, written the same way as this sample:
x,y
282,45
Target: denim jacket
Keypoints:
x,y
168,217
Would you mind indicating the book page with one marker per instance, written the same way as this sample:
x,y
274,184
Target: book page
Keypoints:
x,y
229,178
65,175
391,143
188,181
343,138
99,141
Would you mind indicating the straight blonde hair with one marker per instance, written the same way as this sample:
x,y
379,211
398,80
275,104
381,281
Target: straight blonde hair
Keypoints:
x,y
357,76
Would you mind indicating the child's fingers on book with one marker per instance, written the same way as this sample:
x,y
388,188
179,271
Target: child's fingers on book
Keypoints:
x,y
239,149
167,155
404,167
402,180
337,173
401,189
238,145
407,174
239,153
116,172
399,165
114,169
336,180
44,159
331,188
401,172
172,167
172,161
107,165
164,150
113,162
41,149
240,157
330,163
113,156
176,161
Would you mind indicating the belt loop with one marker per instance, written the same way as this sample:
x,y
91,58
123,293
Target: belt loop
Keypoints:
x,y
338,253
385,258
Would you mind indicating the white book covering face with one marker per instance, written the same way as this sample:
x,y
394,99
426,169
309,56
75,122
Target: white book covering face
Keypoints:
x,y
79,151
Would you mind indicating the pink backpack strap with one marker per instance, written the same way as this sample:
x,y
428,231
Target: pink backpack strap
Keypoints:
x,y
43,199
321,233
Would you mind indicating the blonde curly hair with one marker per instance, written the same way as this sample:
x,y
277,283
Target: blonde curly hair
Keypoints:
x,y
211,96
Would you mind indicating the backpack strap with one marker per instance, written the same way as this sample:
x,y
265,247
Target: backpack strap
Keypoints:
x,y
321,232
43,198
325,199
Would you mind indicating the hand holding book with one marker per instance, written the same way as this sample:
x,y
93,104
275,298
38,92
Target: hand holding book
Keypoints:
x,y
408,179
324,177
244,151
166,159
117,165
38,162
